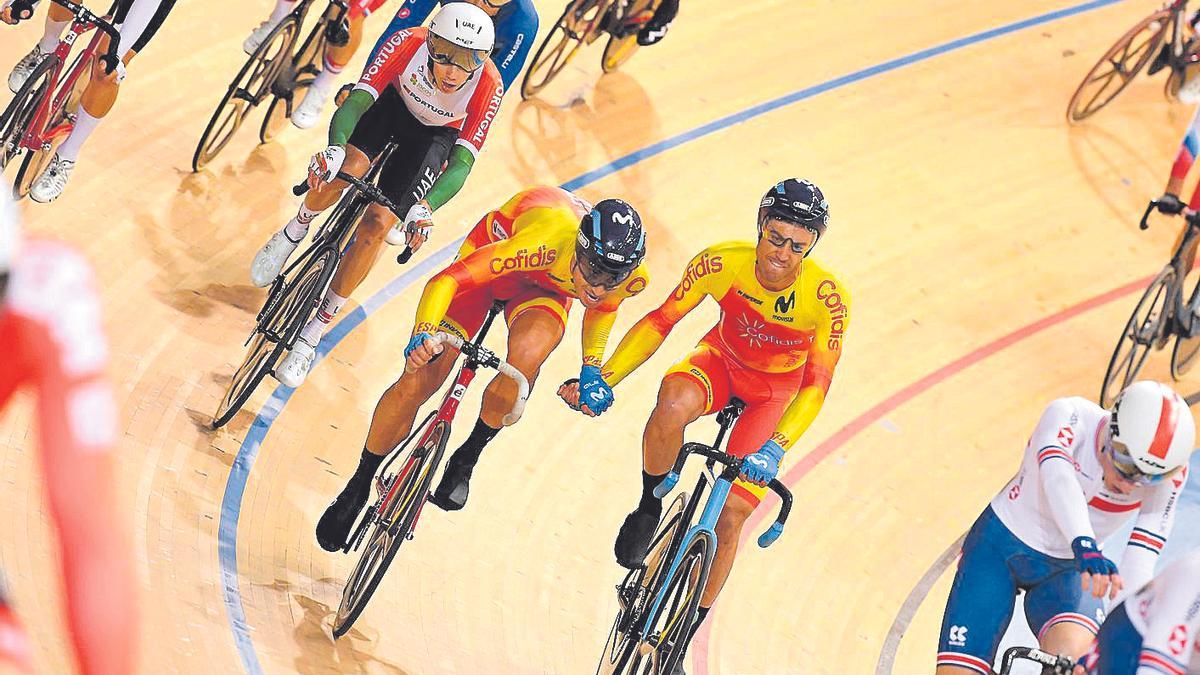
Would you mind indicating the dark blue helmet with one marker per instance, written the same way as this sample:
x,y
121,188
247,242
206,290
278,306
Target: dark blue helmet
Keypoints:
x,y
611,243
795,201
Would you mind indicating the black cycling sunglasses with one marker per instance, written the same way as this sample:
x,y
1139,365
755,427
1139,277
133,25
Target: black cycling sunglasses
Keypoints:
x,y
596,276
779,241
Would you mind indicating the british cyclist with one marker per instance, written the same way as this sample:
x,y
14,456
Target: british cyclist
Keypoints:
x,y
1155,630
538,252
138,20
54,346
1086,472
516,24
783,323
435,94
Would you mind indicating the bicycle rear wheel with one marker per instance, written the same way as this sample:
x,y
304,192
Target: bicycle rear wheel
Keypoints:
x,y
246,91
394,525
282,318
639,585
292,82
18,115
1144,328
1119,65
578,22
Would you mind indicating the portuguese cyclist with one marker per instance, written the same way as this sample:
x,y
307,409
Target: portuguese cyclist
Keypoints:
x,y
435,94
53,343
1155,630
539,251
780,335
138,21
1086,471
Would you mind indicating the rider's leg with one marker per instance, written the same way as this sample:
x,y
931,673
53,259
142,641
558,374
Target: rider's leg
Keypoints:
x,y
535,328
57,19
392,423
1065,617
1068,639
260,33
687,392
308,113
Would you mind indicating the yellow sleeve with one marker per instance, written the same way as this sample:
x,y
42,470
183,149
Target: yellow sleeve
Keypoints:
x,y
648,334
833,316
468,272
597,324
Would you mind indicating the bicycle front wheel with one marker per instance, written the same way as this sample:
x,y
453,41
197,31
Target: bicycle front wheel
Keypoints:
x,y
1119,65
246,91
395,524
579,20
279,324
1144,329
16,118
1183,355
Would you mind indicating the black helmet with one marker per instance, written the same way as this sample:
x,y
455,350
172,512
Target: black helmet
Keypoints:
x,y
611,243
796,201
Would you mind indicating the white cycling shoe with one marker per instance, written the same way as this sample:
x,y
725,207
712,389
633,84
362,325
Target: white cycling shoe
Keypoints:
x,y
50,185
308,113
271,258
24,68
295,366
256,37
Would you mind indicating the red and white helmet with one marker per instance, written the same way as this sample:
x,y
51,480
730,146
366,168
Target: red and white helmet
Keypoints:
x,y
1153,432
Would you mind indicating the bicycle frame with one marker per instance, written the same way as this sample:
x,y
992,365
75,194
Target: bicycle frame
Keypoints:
x,y
39,135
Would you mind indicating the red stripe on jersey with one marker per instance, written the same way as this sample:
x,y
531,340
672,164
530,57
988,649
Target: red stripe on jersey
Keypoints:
x,y
1167,417
1154,660
964,661
1107,506
1148,541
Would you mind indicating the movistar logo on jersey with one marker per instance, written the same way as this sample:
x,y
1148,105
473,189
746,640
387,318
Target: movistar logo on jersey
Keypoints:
x,y
784,305
827,292
524,259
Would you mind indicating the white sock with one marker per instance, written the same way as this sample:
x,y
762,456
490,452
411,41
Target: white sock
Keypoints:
x,y
52,35
327,78
282,9
330,306
85,124
297,228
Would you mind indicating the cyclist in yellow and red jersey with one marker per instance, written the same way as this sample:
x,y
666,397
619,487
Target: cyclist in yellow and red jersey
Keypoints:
x,y
538,252
779,338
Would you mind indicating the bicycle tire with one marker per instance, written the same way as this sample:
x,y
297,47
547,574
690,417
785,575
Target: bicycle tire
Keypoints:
x,y
639,584
677,613
1141,333
18,114
221,127
284,316
297,77
1183,354
618,50
580,8
1145,52
391,533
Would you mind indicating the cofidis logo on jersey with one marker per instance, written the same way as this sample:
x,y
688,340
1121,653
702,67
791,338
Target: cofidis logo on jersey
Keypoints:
x,y
827,292
703,267
524,259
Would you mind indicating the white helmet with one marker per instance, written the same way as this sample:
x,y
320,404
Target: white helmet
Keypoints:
x,y
10,230
461,34
1153,432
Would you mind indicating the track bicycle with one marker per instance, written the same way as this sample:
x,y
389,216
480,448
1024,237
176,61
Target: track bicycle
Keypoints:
x,y
1052,664
1160,314
392,518
1163,39
659,599
295,294
43,112
582,23
277,69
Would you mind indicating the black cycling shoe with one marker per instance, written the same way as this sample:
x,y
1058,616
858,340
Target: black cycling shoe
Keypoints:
x,y
452,490
652,34
634,537
334,526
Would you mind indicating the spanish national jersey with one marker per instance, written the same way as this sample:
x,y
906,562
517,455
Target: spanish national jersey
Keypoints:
x,y
529,240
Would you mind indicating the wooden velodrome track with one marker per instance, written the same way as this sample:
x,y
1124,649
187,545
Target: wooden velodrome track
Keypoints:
x,y
992,251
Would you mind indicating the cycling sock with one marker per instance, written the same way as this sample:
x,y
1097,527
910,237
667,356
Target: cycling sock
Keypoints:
x,y
649,503
330,306
53,35
282,9
297,227
368,464
328,75
85,124
467,455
